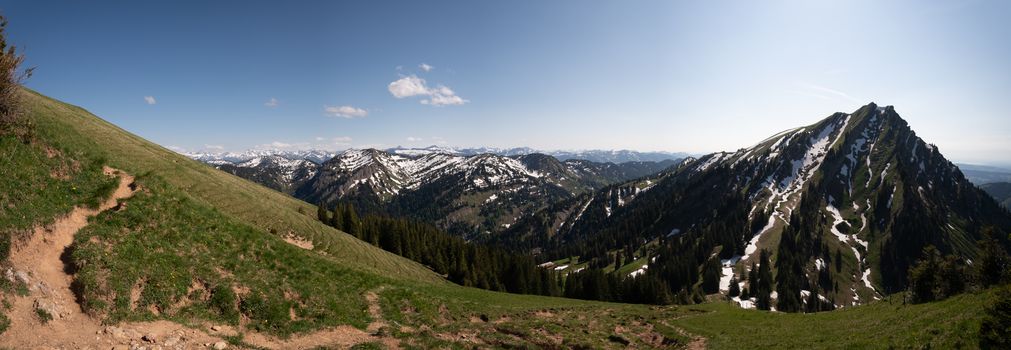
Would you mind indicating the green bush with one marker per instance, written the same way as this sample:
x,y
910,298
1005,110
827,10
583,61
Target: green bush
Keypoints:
x,y
5,245
4,323
266,313
223,302
995,330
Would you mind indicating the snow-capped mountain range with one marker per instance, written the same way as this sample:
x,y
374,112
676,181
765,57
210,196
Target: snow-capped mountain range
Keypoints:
x,y
465,193
600,156
314,155
320,156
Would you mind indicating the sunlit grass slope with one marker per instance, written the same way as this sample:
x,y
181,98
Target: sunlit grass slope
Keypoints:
x,y
887,324
72,128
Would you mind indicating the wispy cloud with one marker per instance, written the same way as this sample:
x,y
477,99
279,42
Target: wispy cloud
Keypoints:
x,y
426,67
214,147
342,141
414,139
345,112
823,92
150,100
272,102
411,85
317,143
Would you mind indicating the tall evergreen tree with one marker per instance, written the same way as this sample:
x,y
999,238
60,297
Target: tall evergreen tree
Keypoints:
x,y
991,267
763,289
735,288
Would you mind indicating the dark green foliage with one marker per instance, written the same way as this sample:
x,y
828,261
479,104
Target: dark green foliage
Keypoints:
x,y
991,267
763,289
5,322
467,264
5,245
812,303
735,288
44,316
711,277
267,313
789,274
11,107
935,277
995,330
223,302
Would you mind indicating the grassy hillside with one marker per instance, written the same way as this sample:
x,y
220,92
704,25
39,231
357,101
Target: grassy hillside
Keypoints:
x,y
200,247
887,324
67,127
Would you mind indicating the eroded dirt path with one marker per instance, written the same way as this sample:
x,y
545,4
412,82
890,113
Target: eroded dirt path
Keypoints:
x,y
340,336
39,264
697,342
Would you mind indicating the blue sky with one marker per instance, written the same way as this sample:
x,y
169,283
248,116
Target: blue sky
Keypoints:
x,y
647,75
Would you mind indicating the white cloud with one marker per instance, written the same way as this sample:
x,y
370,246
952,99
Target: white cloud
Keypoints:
x,y
426,67
342,139
413,139
214,147
279,144
177,149
413,86
150,100
443,96
408,86
272,102
345,112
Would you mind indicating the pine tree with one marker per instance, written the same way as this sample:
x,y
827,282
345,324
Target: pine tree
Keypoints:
x,y
337,220
763,290
995,330
838,260
923,276
991,266
813,303
735,289
711,277
351,220
322,214
788,265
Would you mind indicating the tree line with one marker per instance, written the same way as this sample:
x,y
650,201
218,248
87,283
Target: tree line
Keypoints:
x,y
463,263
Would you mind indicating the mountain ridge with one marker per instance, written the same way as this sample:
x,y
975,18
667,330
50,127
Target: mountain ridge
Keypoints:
x,y
859,186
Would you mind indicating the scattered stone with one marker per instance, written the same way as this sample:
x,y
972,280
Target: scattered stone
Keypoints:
x,y
216,328
9,274
23,277
116,332
120,347
172,341
49,307
150,338
220,345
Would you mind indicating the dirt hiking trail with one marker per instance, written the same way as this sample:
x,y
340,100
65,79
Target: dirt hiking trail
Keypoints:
x,y
37,264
